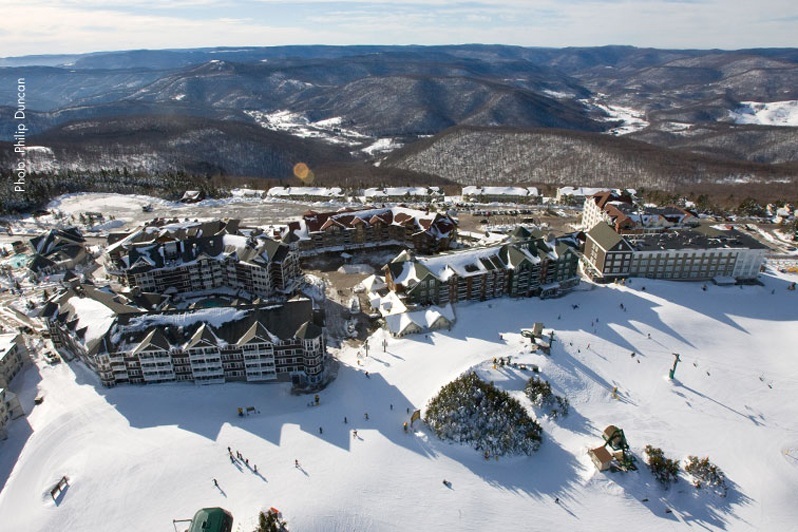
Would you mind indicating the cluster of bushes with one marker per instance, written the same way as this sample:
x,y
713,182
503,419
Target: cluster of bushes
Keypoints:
x,y
664,469
706,474
539,392
469,410
703,472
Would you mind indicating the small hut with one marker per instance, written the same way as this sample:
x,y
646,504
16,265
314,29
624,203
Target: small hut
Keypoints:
x,y
212,520
601,458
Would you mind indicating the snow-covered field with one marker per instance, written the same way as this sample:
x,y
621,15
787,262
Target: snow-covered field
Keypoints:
x,y
138,457
767,114
245,205
631,119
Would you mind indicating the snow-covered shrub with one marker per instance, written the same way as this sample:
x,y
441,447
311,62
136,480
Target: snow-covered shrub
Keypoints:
x,y
539,392
469,410
664,469
706,474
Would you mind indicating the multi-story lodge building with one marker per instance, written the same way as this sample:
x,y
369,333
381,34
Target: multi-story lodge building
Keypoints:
x,y
58,250
191,256
409,194
619,210
10,408
306,193
249,343
11,358
501,194
351,229
11,361
521,268
700,254
575,195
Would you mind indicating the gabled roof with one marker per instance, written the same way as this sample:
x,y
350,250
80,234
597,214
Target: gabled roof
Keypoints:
x,y
606,237
154,341
309,330
203,337
256,334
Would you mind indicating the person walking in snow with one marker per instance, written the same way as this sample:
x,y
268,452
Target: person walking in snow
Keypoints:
x,y
215,483
354,433
255,468
321,431
345,420
296,463
366,416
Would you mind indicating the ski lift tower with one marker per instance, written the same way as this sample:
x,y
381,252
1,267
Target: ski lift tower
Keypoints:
x,y
616,440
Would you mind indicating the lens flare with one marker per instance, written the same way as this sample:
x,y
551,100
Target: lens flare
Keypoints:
x,y
303,173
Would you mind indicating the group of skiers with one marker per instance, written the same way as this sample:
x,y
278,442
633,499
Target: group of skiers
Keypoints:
x,y
240,458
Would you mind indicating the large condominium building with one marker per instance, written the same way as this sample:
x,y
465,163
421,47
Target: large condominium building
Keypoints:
x,y
192,256
347,230
525,267
619,210
10,408
700,254
58,250
501,194
249,343
11,358
409,194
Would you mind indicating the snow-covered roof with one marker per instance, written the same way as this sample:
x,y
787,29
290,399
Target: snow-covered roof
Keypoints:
x,y
500,191
389,304
7,341
424,319
437,225
580,191
401,191
96,317
299,192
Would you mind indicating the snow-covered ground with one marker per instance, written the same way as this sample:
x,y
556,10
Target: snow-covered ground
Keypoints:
x,y
299,125
767,114
139,456
244,204
631,119
329,130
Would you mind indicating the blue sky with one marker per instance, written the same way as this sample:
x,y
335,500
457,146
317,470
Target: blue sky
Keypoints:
x,y
72,26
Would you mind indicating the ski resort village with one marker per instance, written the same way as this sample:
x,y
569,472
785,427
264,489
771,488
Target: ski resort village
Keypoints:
x,y
397,359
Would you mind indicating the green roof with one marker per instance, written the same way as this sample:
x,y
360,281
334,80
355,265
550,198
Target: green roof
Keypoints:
x,y
605,236
212,520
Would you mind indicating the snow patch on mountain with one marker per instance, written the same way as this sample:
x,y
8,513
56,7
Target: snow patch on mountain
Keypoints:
x,y
632,120
298,125
766,113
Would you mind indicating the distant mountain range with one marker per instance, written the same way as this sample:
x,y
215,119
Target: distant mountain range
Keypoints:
x,y
465,114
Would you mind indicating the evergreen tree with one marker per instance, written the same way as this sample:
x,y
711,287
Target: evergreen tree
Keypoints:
x,y
270,522
471,411
539,392
664,469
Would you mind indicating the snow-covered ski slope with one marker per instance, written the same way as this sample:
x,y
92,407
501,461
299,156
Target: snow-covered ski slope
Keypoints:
x,y
138,457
